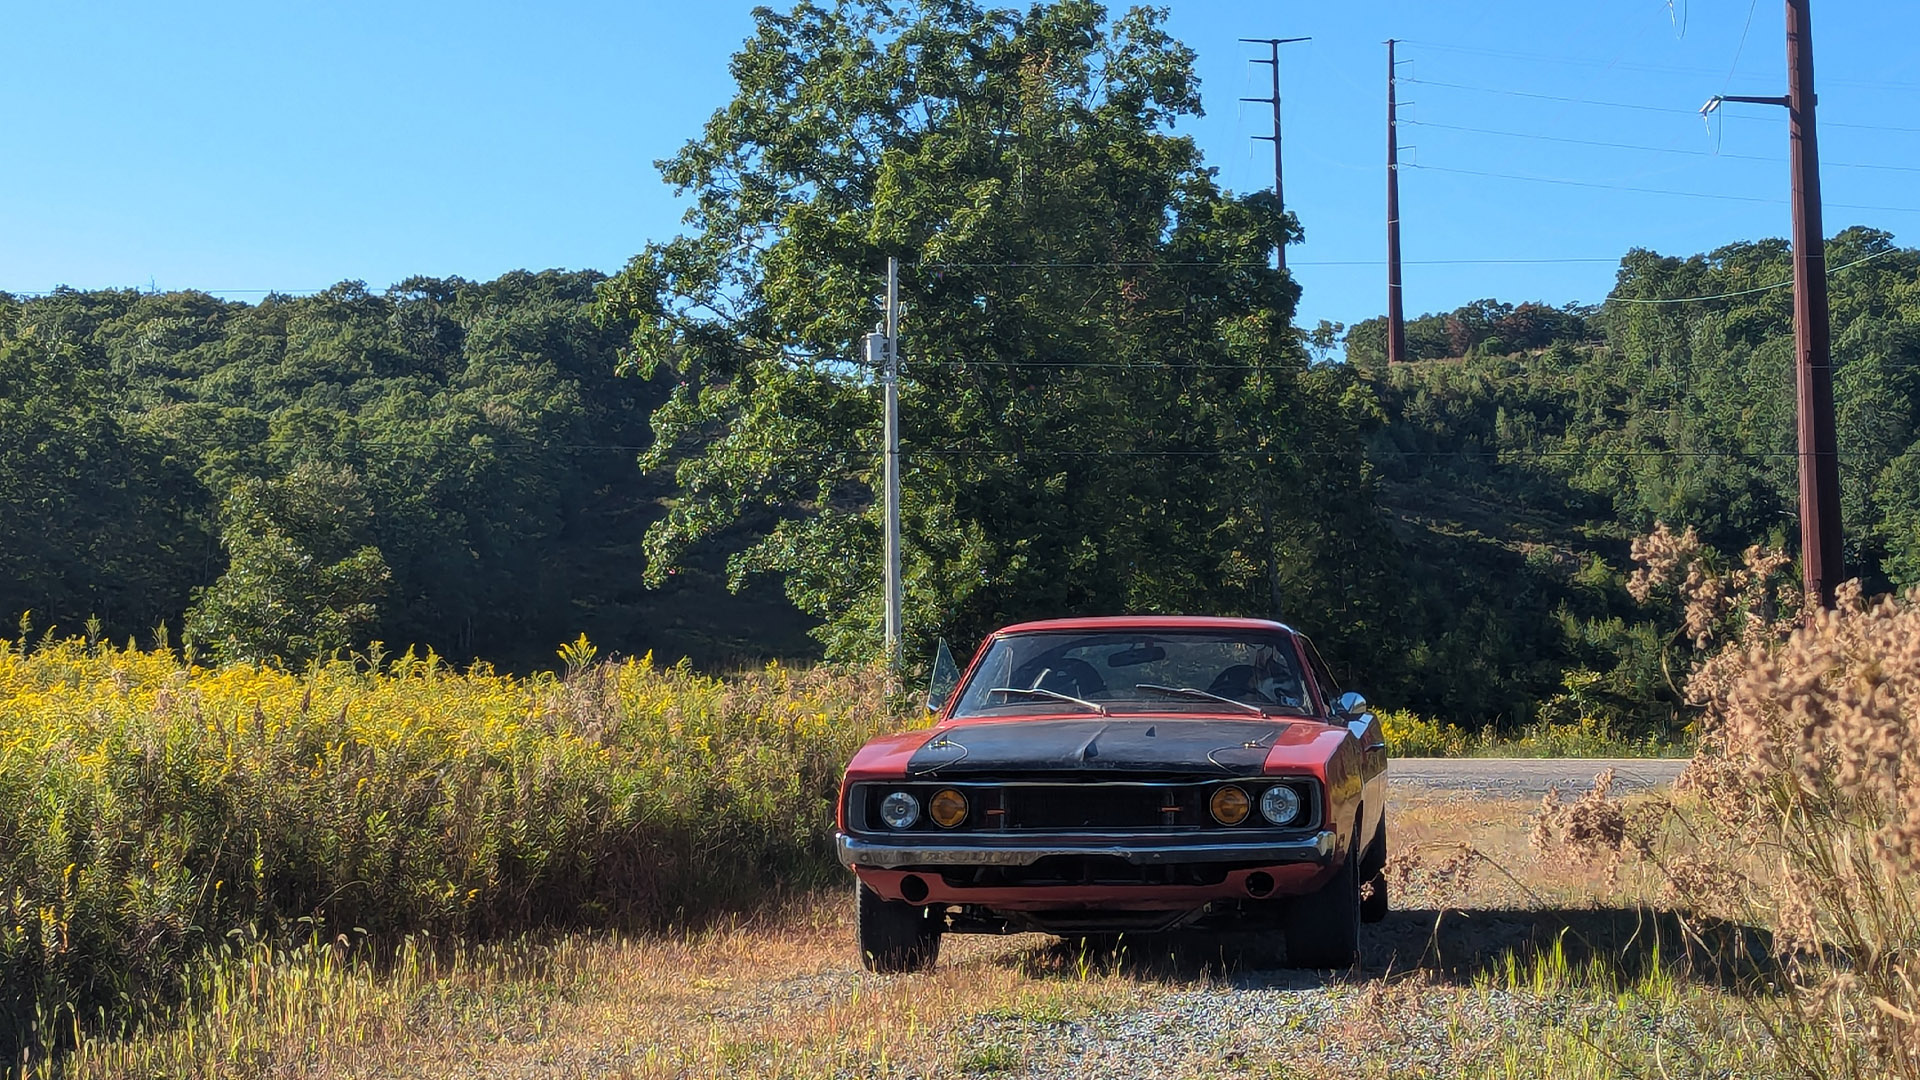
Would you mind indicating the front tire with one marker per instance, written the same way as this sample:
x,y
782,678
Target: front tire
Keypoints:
x,y
895,936
1323,928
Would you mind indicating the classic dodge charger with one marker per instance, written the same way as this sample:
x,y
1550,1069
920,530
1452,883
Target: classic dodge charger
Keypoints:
x,y
1142,774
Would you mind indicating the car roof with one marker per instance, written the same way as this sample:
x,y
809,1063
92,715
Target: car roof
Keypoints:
x,y
1146,622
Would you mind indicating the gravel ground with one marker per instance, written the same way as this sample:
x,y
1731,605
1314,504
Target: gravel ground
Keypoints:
x,y
1517,777
1407,1011
1190,1019
1245,1024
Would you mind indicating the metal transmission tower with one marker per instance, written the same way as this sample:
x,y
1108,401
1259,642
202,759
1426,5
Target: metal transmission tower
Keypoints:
x,y
1820,555
1279,190
1396,317
882,349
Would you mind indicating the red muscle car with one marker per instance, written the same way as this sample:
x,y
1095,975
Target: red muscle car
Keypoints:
x,y
1139,774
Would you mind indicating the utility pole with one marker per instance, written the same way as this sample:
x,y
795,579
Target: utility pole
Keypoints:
x,y
890,382
1819,454
1396,316
1279,191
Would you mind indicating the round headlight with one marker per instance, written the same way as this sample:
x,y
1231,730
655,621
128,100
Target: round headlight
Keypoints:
x,y
1280,804
1230,805
900,810
947,808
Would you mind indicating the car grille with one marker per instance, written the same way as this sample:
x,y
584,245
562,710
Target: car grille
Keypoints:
x,y
1068,806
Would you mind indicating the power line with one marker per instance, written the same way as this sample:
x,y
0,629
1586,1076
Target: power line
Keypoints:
x,y
1654,191
1596,142
35,293
1491,456
1088,265
1666,69
1752,5
817,454
1554,97
1598,184
1654,149
1313,262
1510,54
1626,105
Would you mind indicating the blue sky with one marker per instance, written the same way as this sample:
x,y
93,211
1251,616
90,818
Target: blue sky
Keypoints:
x,y
239,148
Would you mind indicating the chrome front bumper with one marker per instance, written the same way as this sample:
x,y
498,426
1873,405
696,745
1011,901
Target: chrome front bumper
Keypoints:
x,y
1140,849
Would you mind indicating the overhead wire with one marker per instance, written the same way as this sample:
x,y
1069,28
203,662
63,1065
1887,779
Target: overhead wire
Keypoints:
x,y
1143,264
1752,5
1487,455
1674,110
1667,69
1653,149
1722,196
1552,97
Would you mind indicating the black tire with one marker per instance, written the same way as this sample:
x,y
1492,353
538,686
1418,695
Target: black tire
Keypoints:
x,y
1323,928
895,936
1373,895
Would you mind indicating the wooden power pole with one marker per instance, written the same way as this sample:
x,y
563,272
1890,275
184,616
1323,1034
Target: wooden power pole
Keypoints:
x,y
1396,316
1279,190
1819,454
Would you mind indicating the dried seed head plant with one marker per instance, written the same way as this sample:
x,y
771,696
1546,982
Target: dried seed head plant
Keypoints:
x,y
1806,792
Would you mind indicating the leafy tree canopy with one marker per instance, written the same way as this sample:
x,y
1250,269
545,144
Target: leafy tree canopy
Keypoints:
x,y
1104,406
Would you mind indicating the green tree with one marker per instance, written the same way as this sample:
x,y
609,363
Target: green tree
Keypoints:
x,y
95,517
302,581
1105,407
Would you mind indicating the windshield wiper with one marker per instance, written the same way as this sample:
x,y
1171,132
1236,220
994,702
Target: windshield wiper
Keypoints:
x,y
1034,691
1196,692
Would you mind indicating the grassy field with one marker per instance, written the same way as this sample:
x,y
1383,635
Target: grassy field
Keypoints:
x,y
153,814
381,866
1500,961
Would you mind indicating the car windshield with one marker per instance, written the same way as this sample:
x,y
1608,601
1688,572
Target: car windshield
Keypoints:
x,y
1135,671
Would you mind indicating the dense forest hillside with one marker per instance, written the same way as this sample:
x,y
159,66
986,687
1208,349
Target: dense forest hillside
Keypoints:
x,y
452,464
1517,468
448,464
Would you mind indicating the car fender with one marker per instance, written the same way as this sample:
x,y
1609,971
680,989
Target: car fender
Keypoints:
x,y
1351,774
883,758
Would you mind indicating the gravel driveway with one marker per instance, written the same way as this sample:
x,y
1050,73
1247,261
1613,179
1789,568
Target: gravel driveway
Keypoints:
x,y
1363,1022
1499,777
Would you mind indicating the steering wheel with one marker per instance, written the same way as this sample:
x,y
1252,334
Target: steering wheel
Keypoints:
x,y
1236,682
1071,676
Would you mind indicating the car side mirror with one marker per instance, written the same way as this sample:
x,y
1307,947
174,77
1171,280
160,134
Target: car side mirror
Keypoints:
x,y
946,676
1350,704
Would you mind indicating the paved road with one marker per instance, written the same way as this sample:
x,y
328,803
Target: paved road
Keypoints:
x,y
1531,776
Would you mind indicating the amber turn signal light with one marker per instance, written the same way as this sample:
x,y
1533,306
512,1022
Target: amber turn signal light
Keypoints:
x,y
1230,805
948,808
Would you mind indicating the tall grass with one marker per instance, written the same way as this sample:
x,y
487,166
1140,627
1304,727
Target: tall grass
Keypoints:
x,y
1804,801
154,813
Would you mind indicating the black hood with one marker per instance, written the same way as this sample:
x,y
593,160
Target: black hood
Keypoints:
x,y
1099,744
